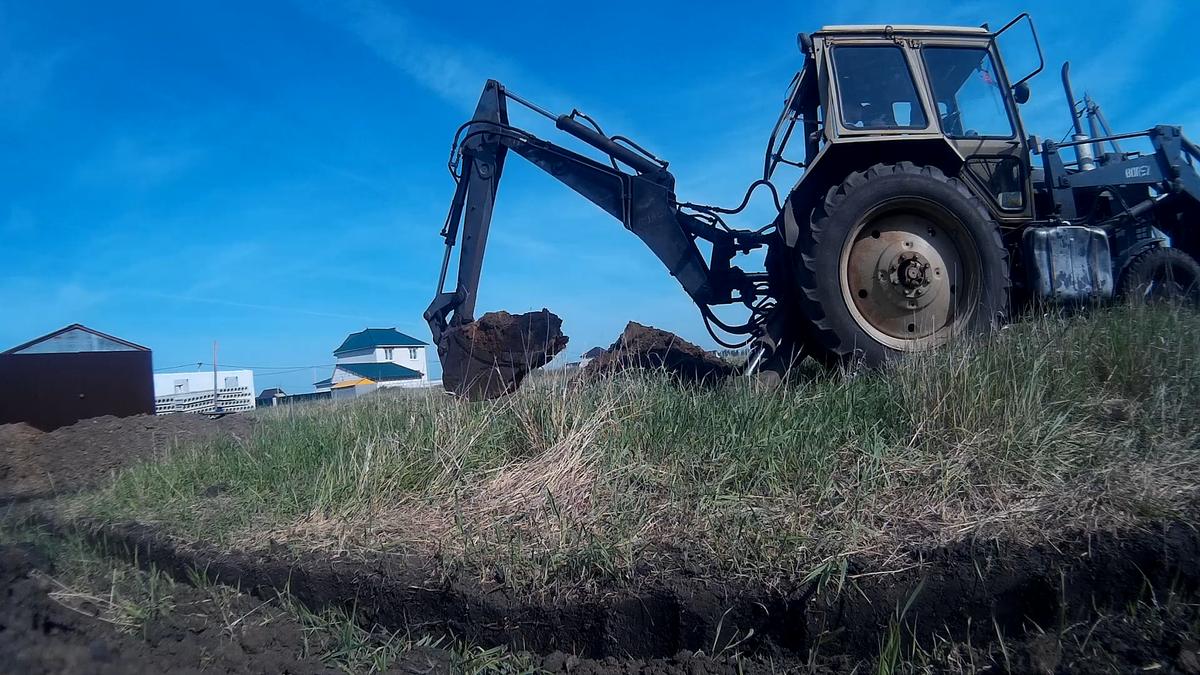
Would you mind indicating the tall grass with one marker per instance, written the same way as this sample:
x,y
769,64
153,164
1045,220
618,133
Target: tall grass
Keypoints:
x,y
1055,423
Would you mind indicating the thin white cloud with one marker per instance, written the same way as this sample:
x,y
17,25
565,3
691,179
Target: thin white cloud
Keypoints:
x,y
448,66
224,302
138,163
20,221
26,75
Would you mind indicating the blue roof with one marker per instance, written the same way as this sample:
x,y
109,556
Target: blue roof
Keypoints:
x,y
370,338
380,372
327,382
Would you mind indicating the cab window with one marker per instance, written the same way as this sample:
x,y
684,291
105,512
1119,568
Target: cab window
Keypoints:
x,y
968,92
876,88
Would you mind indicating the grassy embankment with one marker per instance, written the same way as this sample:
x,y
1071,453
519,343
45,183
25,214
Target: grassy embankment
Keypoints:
x,y
1056,424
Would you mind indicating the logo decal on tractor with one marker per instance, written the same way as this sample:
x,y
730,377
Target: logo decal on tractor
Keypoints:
x,y
1137,171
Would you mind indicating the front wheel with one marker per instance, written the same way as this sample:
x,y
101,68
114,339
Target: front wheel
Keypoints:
x,y
899,258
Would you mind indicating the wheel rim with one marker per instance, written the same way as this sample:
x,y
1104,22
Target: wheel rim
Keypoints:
x,y
910,274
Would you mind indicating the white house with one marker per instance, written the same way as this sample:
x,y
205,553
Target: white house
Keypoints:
x,y
376,358
193,392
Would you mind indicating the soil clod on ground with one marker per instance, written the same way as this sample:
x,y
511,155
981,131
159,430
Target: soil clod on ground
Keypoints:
x,y
649,348
489,357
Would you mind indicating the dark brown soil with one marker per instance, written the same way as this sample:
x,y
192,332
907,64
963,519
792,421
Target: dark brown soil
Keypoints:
x,y
41,635
489,357
646,347
226,632
35,464
1080,593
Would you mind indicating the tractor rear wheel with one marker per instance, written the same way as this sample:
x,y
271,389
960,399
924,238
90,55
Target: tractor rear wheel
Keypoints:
x,y
1162,275
899,258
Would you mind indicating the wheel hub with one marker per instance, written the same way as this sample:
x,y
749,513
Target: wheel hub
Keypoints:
x,y
900,277
910,272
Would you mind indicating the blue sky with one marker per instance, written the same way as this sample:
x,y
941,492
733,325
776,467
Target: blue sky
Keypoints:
x,y
272,174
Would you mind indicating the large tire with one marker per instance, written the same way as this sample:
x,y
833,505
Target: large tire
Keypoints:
x,y
1161,275
899,258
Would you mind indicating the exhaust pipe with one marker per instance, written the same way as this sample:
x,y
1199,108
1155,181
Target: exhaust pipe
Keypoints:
x,y
1084,154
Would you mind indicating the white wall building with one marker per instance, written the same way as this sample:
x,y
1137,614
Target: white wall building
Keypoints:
x,y
376,358
193,392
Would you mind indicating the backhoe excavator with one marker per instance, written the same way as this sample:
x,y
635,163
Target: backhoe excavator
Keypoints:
x,y
920,214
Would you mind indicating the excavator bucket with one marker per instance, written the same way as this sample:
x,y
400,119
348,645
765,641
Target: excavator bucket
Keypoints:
x,y
489,358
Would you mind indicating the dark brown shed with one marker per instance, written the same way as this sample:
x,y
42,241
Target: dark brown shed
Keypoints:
x,y
74,373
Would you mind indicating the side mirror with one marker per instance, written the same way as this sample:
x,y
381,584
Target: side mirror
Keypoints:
x,y
804,42
1021,92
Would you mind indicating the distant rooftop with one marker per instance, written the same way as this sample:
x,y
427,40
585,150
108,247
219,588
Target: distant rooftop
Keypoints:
x,y
370,338
380,372
74,339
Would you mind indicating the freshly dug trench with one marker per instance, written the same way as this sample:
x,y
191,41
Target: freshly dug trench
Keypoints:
x,y
41,634
489,358
1033,608
646,347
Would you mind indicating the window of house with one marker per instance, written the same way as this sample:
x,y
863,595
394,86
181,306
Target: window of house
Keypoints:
x,y
876,88
412,353
968,91
387,354
231,382
181,386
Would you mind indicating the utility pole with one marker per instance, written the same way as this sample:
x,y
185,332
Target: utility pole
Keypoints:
x,y
216,409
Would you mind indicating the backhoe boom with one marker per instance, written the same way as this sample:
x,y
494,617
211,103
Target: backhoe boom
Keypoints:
x,y
644,202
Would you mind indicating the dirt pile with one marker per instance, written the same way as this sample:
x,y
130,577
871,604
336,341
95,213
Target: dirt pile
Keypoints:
x,y
489,357
35,464
12,434
646,347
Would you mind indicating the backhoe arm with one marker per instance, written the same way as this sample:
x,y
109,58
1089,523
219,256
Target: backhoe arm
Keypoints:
x,y
643,201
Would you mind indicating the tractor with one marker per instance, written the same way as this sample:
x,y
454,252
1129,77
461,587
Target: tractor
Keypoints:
x,y
924,211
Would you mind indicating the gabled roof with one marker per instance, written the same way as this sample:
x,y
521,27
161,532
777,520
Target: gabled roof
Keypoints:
x,y
369,338
327,382
74,339
380,372
272,393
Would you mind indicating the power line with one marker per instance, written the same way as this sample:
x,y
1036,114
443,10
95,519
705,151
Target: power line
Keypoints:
x,y
182,365
275,370
318,365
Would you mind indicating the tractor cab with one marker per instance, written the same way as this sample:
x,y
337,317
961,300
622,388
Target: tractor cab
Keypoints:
x,y
946,89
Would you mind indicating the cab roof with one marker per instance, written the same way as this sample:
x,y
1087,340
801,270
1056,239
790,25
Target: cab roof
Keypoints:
x,y
903,28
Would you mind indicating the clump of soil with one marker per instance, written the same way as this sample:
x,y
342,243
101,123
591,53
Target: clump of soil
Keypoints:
x,y
35,464
649,348
489,357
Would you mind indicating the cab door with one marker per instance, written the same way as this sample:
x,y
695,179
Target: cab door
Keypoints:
x,y
976,113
